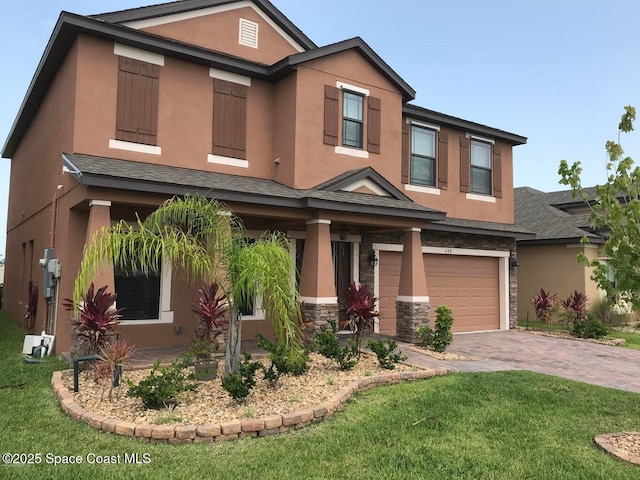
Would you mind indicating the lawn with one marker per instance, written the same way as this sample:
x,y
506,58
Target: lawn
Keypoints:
x,y
506,425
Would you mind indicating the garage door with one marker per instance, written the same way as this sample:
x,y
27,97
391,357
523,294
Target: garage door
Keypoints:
x,y
468,285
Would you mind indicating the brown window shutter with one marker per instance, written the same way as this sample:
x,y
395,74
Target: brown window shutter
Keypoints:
x,y
331,114
497,172
406,151
137,102
465,165
373,125
443,160
229,119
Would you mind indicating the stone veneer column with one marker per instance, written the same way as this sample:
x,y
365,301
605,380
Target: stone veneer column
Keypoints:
x,y
317,288
412,304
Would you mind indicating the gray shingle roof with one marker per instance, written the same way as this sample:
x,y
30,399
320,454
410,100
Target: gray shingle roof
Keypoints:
x,y
115,173
536,211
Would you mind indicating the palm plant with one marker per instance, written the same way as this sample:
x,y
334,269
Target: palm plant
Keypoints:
x,y
207,242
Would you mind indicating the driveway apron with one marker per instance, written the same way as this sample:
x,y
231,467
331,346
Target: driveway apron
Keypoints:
x,y
597,364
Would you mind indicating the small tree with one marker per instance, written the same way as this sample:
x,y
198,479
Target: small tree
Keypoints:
x,y
616,210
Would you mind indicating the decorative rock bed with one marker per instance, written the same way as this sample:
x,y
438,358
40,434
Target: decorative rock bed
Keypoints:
x,y
231,430
623,445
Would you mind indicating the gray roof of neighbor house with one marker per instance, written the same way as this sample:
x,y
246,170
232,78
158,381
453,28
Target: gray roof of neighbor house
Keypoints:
x,y
540,212
147,177
108,26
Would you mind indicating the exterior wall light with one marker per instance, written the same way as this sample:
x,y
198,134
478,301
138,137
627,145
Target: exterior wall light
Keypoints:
x,y
343,232
373,260
514,263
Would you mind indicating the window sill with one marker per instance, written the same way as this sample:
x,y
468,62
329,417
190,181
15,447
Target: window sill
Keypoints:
x,y
352,152
422,189
135,147
165,317
481,198
230,161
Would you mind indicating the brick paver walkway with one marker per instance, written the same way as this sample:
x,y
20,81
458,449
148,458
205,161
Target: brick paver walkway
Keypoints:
x,y
603,365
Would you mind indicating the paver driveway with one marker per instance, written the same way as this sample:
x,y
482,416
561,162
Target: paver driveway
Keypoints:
x,y
603,365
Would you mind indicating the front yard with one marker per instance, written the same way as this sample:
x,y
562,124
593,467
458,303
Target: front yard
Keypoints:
x,y
482,425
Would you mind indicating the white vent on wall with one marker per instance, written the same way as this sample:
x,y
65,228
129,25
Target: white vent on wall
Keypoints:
x,y
248,33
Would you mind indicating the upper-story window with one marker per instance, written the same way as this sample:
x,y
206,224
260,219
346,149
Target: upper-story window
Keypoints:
x,y
137,104
481,167
423,156
352,119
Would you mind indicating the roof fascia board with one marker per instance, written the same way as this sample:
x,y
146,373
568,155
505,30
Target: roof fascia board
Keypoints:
x,y
477,231
143,13
557,241
290,63
373,210
421,113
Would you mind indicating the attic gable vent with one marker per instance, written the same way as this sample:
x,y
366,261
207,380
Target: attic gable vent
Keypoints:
x,y
248,33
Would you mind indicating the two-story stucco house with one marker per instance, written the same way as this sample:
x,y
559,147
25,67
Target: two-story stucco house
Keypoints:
x,y
231,100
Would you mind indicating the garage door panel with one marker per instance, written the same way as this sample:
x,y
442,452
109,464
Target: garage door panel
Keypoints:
x,y
466,284
469,286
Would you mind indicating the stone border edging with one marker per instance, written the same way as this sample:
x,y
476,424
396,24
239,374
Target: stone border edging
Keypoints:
x,y
603,442
234,429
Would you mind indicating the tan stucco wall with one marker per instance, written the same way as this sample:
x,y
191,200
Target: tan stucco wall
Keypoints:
x,y
220,31
554,268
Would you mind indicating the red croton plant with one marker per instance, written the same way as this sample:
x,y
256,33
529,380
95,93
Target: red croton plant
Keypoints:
x,y
360,305
210,308
98,317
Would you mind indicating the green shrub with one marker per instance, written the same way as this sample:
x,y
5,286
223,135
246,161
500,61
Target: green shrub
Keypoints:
x,y
440,338
1,294
284,360
603,310
327,344
162,386
590,327
385,351
239,384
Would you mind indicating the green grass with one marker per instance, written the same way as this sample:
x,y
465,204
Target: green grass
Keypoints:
x,y
632,338
506,425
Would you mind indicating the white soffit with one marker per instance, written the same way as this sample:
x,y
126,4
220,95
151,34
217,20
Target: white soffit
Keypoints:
x,y
177,17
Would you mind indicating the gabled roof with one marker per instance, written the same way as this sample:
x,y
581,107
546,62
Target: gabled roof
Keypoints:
x,y
172,8
352,178
291,62
147,177
426,115
536,211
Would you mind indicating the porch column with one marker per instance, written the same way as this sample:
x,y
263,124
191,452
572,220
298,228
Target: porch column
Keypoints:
x,y
317,288
412,304
99,217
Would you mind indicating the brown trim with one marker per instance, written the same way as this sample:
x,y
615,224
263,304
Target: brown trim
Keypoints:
x,y
229,119
465,165
497,172
406,151
443,160
331,115
373,124
137,101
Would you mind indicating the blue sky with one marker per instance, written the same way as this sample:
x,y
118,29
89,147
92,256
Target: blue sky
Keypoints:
x,y
556,71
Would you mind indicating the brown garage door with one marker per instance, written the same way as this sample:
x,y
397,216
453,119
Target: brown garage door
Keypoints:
x,y
468,285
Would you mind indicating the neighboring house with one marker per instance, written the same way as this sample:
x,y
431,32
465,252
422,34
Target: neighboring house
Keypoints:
x,y
231,100
549,260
